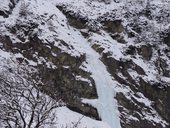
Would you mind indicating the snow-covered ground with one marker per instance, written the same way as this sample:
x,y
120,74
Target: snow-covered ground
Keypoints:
x,y
64,116
105,104
53,26
72,119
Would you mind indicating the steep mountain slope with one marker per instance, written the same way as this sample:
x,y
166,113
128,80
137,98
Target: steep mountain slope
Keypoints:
x,y
108,60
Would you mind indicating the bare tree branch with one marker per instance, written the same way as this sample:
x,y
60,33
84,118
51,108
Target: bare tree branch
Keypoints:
x,y
24,105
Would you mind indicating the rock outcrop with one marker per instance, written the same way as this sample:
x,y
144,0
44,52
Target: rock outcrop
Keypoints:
x,y
131,38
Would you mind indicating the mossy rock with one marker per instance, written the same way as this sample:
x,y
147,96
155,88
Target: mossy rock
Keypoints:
x,y
145,51
167,40
113,26
98,48
61,83
74,19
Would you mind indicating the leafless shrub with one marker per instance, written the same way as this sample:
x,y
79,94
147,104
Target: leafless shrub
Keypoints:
x,y
24,8
22,104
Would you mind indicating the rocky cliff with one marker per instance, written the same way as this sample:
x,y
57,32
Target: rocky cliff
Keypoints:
x,y
108,60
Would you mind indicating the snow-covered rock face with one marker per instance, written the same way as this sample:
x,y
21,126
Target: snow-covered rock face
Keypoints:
x,y
106,59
